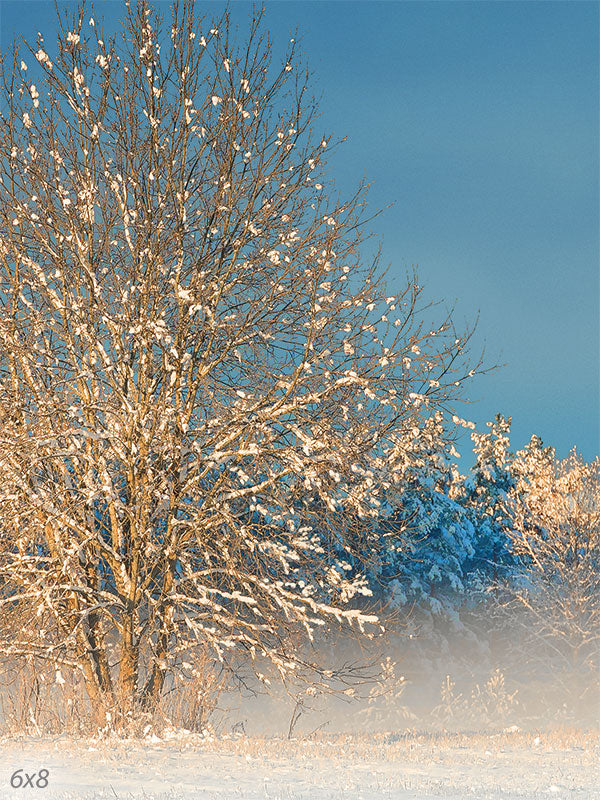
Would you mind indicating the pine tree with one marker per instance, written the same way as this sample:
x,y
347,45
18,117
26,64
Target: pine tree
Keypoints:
x,y
486,496
428,536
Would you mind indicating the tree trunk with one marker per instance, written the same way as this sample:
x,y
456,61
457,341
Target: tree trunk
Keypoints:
x,y
128,673
100,695
156,677
153,687
98,656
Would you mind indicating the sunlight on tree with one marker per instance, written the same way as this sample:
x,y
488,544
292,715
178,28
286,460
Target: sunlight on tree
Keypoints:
x,y
203,388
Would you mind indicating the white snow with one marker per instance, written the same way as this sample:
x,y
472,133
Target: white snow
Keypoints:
x,y
498,767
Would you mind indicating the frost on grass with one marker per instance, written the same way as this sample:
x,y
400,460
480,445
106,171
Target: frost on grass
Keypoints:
x,y
499,767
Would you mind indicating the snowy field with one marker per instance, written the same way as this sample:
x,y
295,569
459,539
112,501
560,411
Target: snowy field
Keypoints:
x,y
500,767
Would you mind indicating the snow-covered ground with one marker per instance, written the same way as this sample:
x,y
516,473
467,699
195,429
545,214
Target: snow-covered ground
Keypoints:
x,y
501,766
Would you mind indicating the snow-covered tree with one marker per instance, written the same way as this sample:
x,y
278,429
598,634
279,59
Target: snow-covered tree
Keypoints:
x,y
191,346
428,536
485,494
556,535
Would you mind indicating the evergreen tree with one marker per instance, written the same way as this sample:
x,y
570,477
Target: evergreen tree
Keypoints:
x,y
485,496
428,537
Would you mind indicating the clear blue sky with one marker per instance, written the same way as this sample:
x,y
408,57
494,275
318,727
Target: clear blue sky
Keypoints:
x,y
479,121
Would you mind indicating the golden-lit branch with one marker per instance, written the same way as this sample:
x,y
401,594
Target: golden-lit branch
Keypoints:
x,y
202,385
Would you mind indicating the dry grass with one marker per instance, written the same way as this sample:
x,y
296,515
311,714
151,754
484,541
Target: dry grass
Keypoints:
x,y
37,700
408,745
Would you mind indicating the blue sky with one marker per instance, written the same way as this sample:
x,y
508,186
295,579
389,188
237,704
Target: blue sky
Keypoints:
x,y
479,122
